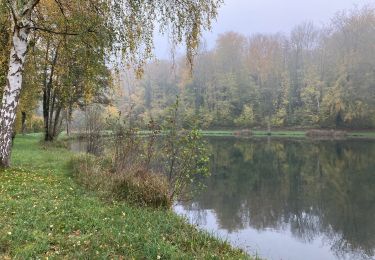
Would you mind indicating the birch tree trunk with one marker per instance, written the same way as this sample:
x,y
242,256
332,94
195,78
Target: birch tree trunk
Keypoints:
x,y
21,14
12,91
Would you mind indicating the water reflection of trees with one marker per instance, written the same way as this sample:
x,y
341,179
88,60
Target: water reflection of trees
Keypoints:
x,y
313,188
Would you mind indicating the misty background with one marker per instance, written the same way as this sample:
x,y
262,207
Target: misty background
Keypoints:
x,y
265,16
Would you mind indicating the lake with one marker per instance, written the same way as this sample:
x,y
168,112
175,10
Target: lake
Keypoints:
x,y
290,199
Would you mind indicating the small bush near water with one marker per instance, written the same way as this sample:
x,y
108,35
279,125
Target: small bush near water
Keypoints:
x,y
149,170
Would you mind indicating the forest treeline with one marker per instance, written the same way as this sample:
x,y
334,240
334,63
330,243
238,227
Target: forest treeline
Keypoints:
x,y
313,77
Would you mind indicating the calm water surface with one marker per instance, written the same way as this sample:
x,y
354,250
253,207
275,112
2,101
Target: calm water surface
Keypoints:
x,y
290,199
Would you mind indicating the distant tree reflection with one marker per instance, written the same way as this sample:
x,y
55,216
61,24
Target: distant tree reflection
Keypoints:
x,y
314,188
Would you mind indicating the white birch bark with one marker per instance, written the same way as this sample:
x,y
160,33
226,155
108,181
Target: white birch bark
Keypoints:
x,y
12,91
21,15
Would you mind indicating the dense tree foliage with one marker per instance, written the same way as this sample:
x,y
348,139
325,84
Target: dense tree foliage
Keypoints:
x,y
312,77
4,45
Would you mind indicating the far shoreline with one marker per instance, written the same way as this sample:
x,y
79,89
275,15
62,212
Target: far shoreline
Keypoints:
x,y
248,133
368,134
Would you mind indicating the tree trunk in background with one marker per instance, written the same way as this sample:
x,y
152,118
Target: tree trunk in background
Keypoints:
x,y
49,97
23,122
67,122
12,91
68,119
56,123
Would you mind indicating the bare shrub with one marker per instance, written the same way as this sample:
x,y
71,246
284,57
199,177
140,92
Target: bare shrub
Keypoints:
x,y
184,155
126,146
94,126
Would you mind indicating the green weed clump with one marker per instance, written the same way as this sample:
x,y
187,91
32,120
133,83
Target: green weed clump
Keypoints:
x,y
134,186
59,143
88,171
144,190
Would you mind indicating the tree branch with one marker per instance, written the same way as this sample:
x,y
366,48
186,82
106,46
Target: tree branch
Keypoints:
x,y
53,32
13,11
29,7
61,8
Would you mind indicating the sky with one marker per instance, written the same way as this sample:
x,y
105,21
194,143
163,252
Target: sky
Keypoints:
x,y
266,16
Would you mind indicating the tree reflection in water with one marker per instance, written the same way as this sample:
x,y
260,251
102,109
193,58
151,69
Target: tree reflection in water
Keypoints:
x,y
309,188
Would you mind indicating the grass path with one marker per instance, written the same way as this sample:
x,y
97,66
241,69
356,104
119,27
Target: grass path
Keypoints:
x,y
44,213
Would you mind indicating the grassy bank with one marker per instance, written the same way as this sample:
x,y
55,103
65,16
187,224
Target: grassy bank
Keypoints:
x,y
285,133
44,213
259,133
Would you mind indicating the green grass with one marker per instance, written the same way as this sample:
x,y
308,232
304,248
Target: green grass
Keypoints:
x,y
44,213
